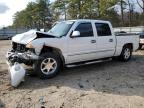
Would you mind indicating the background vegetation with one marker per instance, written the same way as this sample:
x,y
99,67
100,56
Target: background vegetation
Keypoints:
x,y
42,13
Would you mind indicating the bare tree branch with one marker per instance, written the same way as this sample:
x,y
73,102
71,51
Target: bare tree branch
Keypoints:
x,y
140,4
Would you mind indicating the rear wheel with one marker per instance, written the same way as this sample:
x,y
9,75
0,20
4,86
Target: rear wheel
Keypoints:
x,y
126,53
48,66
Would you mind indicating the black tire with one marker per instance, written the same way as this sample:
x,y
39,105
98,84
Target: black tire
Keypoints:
x,y
49,57
140,47
126,53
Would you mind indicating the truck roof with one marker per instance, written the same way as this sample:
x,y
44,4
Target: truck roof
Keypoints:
x,y
89,20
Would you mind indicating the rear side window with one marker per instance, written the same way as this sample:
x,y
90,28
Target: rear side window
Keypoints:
x,y
103,29
141,35
85,29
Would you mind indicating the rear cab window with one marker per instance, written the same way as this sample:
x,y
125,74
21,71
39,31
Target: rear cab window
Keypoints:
x,y
103,29
85,29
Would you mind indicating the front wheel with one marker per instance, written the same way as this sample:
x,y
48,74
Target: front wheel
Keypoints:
x,y
48,66
126,53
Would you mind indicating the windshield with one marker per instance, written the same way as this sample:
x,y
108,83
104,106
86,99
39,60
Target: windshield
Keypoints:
x,y
61,28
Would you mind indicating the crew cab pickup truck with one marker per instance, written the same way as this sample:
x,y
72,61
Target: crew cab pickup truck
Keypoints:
x,y
70,42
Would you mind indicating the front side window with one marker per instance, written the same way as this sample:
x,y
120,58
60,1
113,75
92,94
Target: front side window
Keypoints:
x,y
85,29
103,29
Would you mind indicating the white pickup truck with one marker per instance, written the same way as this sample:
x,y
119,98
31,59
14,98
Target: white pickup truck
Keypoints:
x,y
70,42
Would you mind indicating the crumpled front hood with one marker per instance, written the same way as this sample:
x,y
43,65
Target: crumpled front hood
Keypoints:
x,y
27,37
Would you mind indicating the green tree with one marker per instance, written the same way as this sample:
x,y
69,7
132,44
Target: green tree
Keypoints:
x,y
36,15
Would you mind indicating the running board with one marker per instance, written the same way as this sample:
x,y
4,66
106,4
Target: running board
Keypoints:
x,y
87,62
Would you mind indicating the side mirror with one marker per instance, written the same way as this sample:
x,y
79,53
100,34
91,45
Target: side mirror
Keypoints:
x,y
75,34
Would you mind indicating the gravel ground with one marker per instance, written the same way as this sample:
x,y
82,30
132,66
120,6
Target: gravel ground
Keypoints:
x,y
111,84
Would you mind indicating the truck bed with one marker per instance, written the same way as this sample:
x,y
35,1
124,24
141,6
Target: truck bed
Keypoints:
x,y
123,38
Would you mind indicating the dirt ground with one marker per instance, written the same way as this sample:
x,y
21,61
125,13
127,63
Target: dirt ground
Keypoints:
x,y
111,84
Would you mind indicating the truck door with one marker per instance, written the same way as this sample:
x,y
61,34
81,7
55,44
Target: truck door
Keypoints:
x,y
82,48
105,39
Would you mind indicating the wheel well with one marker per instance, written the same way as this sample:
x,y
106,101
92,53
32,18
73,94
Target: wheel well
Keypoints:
x,y
129,45
57,51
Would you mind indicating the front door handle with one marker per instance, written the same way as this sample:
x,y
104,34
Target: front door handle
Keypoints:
x,y
93,41
110,40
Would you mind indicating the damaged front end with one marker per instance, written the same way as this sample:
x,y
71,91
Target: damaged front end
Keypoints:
x,y
21,54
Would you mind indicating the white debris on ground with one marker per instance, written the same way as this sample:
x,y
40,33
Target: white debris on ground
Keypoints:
x,y
17,74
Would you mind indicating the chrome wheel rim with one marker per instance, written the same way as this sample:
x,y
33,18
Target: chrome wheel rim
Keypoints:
x,y
127,53
48,66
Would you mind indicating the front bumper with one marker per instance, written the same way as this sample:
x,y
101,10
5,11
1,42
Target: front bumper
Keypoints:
x,y
25,58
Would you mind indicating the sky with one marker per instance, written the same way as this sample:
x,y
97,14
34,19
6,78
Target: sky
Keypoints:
x,y
9,7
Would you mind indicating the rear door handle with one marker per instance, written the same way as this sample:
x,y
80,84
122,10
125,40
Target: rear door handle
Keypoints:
x,y
93,41
110,40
